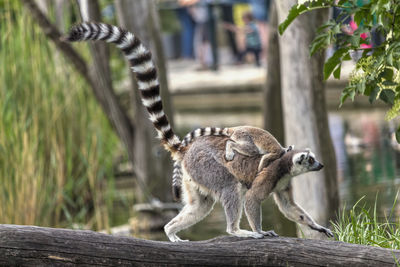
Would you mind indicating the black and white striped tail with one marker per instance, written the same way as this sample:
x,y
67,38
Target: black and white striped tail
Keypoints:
x,y
208,131
177,180
141,64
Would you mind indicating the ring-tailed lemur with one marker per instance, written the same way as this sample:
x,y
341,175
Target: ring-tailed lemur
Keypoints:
x,y
208,177
207,174
246,140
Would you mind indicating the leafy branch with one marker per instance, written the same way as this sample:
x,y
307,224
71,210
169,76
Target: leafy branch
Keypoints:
x,y
377,71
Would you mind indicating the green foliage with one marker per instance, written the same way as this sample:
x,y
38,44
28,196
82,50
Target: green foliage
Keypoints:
x,y
297,10
55,144
362,226
377,72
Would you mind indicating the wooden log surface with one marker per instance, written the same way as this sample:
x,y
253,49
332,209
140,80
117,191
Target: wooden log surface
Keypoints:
x,y
38,246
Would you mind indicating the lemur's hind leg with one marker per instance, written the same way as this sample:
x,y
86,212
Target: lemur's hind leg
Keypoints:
x,y
197,206
232,201
244,146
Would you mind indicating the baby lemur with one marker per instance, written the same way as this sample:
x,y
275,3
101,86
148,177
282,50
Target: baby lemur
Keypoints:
x,y
206,160
246,140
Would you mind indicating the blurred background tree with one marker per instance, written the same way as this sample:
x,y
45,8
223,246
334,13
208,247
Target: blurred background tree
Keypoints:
x,y
305,114
152,163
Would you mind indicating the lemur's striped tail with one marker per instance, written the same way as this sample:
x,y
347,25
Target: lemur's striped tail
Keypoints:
x,y
141,64
177,180
205,132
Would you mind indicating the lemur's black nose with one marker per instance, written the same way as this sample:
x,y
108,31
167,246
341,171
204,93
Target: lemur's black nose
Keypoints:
x,y
319,166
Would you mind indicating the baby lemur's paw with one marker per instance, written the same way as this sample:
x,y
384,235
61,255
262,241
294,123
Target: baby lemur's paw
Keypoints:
x,y
289,148
245,233
322,229
269,233
229,155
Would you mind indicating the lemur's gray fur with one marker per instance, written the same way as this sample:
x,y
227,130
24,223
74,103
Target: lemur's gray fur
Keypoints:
x,y
210,169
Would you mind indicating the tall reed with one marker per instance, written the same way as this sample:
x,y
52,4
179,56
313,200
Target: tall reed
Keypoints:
x,y
56,146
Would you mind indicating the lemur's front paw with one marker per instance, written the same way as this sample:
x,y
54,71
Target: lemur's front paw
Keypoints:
x,y
327,232
269,233
322,229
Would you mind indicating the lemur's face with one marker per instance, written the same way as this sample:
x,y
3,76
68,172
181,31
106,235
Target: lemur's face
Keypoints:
x,y
305,161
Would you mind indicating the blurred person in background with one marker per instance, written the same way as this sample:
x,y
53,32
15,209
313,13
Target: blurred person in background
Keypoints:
x,y
199,12
188,28
227,17
239,9
260,10
252,37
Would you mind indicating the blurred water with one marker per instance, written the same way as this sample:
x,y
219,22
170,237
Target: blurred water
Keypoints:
x,y
368,159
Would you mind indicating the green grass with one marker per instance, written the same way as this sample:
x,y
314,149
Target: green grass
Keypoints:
x,y
361,225
56,146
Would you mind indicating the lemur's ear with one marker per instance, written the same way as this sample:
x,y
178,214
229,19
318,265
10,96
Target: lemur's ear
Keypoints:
x,y
301,159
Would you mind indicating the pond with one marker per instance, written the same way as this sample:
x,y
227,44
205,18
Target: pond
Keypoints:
x,y
368,162
368,159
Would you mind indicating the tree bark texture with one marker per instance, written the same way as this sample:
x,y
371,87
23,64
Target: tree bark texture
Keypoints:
x,y
305,115
39,246
152,163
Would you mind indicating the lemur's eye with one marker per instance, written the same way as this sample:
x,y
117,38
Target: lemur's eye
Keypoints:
x,y
311,160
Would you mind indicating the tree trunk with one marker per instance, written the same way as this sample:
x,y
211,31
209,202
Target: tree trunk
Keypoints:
x,y
153,164
273,114
272,105
100,71
306,121
39,246
43,5
61,8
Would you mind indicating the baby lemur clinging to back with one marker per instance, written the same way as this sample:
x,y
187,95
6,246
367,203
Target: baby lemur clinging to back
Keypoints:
x,y
211,170
246,140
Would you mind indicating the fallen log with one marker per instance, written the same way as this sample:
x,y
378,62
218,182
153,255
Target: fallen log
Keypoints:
x,y
38,246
